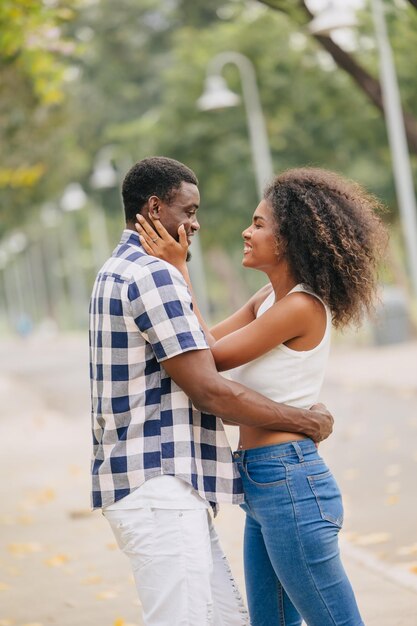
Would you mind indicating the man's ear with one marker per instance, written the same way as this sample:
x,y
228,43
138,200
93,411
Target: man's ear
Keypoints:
x,y
154,207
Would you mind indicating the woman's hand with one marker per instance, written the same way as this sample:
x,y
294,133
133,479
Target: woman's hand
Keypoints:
x,y
158,242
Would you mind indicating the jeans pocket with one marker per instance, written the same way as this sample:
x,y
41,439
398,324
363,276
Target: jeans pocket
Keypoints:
x,y
133,530
328,497
266,472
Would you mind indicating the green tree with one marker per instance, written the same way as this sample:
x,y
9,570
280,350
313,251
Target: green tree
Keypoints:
x,y
32,72
136,71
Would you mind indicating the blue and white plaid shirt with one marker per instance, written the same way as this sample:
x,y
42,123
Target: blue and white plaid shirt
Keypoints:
x,y
143,423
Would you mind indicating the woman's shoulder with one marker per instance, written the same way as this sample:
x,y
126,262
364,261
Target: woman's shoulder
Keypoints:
x,y
260,296
303,296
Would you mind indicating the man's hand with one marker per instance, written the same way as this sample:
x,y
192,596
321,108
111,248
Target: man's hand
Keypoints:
x,y
195,372
322,424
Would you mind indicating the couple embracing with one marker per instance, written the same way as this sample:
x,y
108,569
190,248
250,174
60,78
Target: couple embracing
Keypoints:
x,y
161,460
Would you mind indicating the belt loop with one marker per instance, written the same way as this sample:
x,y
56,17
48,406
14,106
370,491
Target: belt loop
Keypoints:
x,y
298,451
239,456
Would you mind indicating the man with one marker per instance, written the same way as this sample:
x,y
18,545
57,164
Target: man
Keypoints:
x,y
161,458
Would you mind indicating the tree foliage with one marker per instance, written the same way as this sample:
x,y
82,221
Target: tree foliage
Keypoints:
x,y
128,77
32,102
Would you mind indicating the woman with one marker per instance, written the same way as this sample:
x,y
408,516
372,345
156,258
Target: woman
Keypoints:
x,y
318,240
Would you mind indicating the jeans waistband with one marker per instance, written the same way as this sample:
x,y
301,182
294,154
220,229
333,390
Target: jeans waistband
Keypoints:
x,y
299,448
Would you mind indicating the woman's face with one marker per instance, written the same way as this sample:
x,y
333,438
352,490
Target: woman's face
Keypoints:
x,y
260,241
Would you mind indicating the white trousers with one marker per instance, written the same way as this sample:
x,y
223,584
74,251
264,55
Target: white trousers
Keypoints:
x,y
181,573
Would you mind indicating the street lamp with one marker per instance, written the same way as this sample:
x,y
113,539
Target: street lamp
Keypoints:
x,y
52,253
395,128
332,17
217,95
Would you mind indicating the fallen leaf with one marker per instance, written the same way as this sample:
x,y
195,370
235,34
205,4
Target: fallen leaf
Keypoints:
x,y
92,580
21,549
25,520
71,605
412,422
355,430
44,496
392,470
57,561
40,497
80,513
406,392
14,571
350,474
391,444
349,536
393,487
106,595
4,587
6,622
32,624
38,421
407,550
391,500
373,539
111,546
413,569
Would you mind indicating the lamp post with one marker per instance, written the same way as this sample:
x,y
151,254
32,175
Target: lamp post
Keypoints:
x,y
397,140
17,284
5,300
104,177
395,128
58,303
74,199
217,95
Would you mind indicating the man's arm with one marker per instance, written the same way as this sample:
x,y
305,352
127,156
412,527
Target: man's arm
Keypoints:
x,y
195,372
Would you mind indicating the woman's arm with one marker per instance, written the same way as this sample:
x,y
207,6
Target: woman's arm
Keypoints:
x,y
287,319
242,337
243,316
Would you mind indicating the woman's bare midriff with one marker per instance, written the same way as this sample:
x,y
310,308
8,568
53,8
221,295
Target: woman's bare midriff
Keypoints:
x,y
251,437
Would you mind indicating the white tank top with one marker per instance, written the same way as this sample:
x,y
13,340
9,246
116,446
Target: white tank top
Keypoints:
x,y
290,376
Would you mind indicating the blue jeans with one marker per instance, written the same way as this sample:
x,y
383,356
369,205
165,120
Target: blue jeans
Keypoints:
x,y
294,513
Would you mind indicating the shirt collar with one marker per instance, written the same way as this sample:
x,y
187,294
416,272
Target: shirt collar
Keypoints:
x,y
131,237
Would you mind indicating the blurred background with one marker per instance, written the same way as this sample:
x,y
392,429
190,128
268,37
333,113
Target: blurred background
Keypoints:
x,y
237,90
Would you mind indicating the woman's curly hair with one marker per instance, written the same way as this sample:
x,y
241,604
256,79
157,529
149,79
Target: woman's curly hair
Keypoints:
x,y
332,238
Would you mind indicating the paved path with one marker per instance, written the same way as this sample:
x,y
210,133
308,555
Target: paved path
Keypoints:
x,y
58,562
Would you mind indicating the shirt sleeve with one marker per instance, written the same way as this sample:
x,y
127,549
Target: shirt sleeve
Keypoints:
x,y
162,310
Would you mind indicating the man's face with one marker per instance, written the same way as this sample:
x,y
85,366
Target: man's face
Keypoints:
x,y
181,209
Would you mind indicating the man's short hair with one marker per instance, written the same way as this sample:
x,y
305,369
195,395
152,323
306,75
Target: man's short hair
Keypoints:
x,y
153,176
